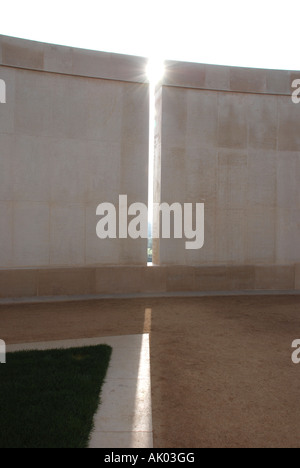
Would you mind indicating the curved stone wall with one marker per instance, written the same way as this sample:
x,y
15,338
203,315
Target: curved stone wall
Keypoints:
x,y
230,138
74,133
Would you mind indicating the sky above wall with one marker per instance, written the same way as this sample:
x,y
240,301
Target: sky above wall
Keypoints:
x,y
260,33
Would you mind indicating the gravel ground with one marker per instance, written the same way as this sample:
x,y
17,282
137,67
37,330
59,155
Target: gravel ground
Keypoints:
x,y
221,367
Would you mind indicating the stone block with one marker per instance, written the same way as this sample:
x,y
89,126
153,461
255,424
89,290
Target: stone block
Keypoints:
x,y
232,179
230,237
31,168
58,59
118,280
104,171
68,171
135,113
262,122
261,179
66,282
232,130
201,171
153,279
70,111
247,80
297,276
202,118
133,252
172,251
31,246
18,283
108,66
275,277
185,74
288,235
173,173
211,278
174,117
241,278
105,110
288,176
33,103
23,54
289,124
217,77
261,236
7,143
67,234
180,278
6,234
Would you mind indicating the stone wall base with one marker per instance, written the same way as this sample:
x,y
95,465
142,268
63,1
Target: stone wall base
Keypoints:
x,y
30,283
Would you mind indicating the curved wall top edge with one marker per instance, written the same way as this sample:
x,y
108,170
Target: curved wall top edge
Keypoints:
x,y
229,78
21,53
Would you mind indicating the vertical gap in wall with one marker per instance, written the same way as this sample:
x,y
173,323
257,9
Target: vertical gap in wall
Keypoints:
x,y
157,172
151,169
155,71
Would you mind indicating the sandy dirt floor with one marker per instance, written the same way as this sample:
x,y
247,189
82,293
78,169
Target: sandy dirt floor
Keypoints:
x,y
221,367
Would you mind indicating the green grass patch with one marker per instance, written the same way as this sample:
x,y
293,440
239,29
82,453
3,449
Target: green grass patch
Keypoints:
x,y
48,398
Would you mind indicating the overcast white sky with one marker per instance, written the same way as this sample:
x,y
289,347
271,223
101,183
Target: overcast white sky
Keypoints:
x,y
257,33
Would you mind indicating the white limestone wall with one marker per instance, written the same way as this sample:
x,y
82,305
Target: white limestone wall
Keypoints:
x,y
230,138
74,133
68,143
